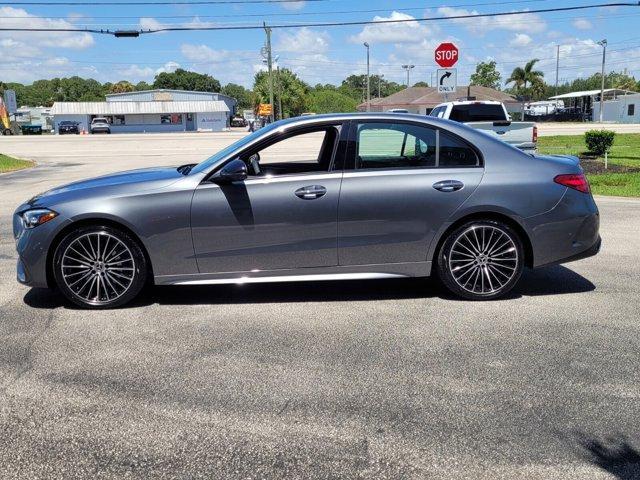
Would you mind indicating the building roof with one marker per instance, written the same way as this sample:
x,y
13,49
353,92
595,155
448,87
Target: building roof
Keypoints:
x,y
403,97
166,95
133,108
589,93
434,98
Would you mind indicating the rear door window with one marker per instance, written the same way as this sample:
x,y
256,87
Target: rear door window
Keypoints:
x,y
390,145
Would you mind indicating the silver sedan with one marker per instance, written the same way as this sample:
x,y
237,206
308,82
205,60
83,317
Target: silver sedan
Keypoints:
x,y
374,196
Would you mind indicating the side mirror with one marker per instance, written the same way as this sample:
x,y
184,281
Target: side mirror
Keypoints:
x,y
234,171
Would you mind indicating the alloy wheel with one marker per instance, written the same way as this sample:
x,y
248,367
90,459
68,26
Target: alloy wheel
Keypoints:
x,y
98,268
483,259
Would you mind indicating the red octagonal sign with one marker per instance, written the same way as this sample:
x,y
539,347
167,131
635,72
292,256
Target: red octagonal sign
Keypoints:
x,y
446,55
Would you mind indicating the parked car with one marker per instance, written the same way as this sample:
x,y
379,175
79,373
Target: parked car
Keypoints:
x,y
408,196
31,129
493,119
68,128
238,121
100,125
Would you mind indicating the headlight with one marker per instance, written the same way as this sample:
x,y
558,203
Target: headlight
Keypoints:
x,y
37,216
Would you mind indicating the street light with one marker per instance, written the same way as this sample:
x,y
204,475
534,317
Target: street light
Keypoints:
x,y
368,82
408,69
603,44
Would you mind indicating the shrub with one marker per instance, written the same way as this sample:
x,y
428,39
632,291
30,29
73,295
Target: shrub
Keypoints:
x,y
599,141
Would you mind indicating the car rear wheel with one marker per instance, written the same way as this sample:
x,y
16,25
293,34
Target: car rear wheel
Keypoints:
x,y
99,267
481,260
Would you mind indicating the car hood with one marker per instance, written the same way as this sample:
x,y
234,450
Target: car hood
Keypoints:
x,y
132,180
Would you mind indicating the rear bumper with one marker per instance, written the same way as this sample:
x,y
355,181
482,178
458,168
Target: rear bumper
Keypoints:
x,y
568,232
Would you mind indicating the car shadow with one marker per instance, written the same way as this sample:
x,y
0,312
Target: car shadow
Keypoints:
x,y
615,455
554,280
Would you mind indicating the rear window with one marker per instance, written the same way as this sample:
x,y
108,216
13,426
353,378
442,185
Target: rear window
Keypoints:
x,y
477,112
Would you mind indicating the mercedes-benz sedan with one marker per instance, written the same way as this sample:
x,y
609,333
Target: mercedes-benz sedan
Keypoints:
x,y
328,197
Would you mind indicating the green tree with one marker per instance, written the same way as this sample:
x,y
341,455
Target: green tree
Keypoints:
x,y
184,80
330,101
293,90
140,86
522,77
486,75
241,94
355,86
421,84
122,87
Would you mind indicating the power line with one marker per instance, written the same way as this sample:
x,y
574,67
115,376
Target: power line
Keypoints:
x,y
135,33
277,14
156,2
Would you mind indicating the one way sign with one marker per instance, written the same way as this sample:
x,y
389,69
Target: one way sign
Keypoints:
x,y
447,79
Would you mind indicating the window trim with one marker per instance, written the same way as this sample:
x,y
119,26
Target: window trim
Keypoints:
x,y
352,147
337,156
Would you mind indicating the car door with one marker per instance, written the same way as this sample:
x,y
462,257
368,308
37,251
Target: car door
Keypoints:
x,y
402,181
282,217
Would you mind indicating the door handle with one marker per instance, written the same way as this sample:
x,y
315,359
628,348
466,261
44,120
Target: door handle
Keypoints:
x,y
310,192
448,185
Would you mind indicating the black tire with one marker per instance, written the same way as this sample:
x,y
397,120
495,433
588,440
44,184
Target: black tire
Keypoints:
x,y
7,131
121,276
481,268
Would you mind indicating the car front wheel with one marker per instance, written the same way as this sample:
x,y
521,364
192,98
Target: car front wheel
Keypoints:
x,y
481,260
99,267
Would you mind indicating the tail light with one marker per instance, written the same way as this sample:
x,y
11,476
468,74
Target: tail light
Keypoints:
x,y
577,181
535,134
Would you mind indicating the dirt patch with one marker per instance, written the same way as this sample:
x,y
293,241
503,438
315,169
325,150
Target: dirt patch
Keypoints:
x,y
594,166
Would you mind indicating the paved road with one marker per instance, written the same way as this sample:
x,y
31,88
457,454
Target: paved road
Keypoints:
x,y
378,379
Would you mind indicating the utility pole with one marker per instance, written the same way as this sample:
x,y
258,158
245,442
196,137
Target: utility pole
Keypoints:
x,y
368,80
270,67
408,69
279,93
557,66
603,44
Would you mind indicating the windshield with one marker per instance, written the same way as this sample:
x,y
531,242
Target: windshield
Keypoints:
x,y
206,164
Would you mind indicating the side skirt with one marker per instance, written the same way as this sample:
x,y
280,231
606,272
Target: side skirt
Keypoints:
x,y
356,272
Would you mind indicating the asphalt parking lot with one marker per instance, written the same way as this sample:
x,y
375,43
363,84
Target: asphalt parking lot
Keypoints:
x,y
375,379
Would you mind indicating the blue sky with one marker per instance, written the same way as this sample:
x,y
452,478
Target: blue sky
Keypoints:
x,y
317,54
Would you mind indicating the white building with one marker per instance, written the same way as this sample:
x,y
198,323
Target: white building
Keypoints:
x,y
151,111
624,109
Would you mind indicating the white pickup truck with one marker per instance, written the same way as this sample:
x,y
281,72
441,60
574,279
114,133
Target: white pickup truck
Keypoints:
x,y
493,119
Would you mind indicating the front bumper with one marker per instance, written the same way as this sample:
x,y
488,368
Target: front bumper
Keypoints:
x,y
32,246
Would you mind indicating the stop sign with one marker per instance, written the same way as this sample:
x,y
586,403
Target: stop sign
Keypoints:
x,y
446,55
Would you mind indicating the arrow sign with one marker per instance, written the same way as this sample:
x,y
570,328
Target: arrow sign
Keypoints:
x,y
447,74
447,80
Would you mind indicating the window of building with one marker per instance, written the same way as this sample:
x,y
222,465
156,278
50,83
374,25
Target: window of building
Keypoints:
x,y
389,145
173,119
118,120
631,110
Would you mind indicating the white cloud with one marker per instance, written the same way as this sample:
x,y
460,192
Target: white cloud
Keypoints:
x,y
296,5
303,40
57,62
19,18
582,24
526,22
402,32
520,40
150,23
135,73
204,53
168,67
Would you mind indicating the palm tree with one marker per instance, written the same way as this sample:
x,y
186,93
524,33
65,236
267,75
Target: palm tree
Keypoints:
x,y
520,77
